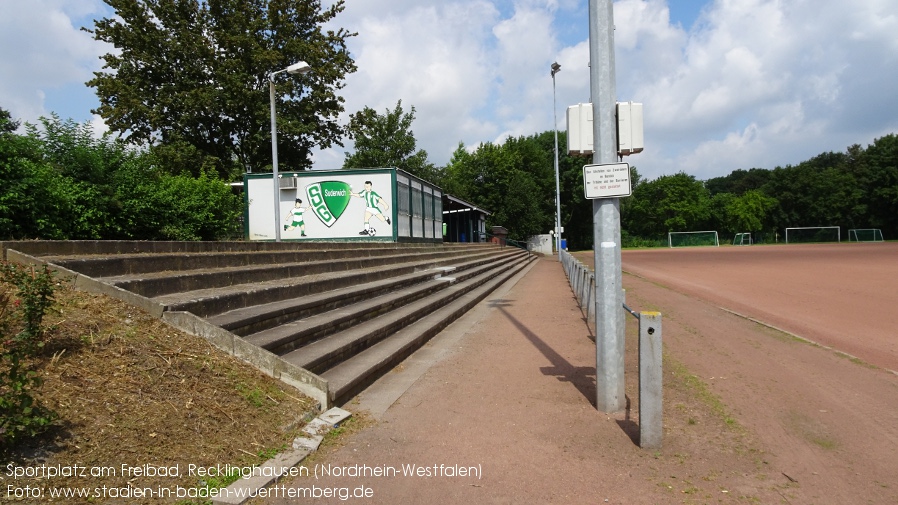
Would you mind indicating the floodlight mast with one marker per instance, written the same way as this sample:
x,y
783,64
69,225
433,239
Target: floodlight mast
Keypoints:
x,y
555,69
297,68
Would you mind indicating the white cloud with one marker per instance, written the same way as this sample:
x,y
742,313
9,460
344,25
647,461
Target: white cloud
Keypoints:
x,y
98,126
44,52
749,83
760,83
434,56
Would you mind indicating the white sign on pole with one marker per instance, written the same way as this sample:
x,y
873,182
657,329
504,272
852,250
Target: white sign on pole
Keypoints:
x,y
606,181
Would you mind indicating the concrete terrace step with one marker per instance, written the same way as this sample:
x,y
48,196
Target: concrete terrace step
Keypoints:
x,y
256,318
287,336
351,375
156,284
323,354
247,320
212,301
112,266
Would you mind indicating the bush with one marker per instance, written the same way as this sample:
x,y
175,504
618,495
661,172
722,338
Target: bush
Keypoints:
x,y
634,242
25,296
160,206
61,183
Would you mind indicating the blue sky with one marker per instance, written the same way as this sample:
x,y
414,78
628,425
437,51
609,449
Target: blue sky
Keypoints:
x,y
726,84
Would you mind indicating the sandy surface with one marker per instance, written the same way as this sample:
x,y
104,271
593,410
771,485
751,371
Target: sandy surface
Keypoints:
x,y
839,295
828,422
751,414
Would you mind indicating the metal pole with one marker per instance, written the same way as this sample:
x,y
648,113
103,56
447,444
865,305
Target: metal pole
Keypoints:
x,y
610,393
555,69
274,163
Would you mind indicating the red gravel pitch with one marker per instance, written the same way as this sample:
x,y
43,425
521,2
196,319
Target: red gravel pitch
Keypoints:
x,y
838,295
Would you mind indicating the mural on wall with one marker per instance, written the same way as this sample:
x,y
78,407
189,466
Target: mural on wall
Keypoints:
x,y
376,206
328,206
296,218
329,199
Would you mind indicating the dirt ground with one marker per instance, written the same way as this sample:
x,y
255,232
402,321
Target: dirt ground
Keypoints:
x,y
135,397
828,421
838,295
751,414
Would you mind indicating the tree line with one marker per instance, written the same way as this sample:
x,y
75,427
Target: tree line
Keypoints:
x,y
185,96
857,188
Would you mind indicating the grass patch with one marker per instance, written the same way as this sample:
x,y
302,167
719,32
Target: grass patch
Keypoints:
x,y
856,360
700,391
811,430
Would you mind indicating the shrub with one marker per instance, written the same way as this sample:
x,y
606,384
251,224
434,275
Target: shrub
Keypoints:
x,y
26,294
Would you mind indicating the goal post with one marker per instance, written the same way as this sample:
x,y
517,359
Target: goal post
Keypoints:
x,y
692,238
808,234
742,239
865,235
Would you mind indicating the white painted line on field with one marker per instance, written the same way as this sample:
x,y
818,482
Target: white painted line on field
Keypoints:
x,y
799,337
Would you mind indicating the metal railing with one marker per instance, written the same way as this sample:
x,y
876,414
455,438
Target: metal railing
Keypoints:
x,y
583,284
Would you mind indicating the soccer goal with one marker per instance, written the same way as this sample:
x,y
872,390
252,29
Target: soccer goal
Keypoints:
x,y
810,234
742,239
865,235
692,238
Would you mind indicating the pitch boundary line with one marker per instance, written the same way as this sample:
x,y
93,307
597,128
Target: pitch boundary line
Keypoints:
x,y
803,339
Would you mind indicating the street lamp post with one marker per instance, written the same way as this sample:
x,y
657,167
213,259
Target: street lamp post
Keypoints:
x,y
555,69
296,68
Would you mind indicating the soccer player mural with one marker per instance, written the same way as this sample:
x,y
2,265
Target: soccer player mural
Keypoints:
x,y
295,219
376,206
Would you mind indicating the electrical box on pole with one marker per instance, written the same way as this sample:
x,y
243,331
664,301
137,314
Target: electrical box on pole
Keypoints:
x,y
629,128
630,136
579,130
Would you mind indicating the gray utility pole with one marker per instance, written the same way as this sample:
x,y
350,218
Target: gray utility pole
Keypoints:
x,y
610,394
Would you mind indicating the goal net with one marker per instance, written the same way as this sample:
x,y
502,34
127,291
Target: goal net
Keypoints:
x,y
813,234
865,235
742,239
692,238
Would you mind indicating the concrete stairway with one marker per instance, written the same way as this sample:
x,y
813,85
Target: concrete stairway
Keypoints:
x,y
346,312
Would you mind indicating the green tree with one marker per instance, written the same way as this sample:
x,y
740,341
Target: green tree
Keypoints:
x,y
195,73
748,212
388,141
676,202
493,176
56,182
7,124
878,176
157,205
20,164
738,181
811,194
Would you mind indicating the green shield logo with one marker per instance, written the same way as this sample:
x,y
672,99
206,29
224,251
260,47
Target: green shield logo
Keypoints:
x,y
328,200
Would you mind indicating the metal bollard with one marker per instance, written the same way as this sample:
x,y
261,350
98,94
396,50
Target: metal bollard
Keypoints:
x,y
650,381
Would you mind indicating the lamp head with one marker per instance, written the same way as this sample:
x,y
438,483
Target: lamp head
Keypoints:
x,y
300,67
555,68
